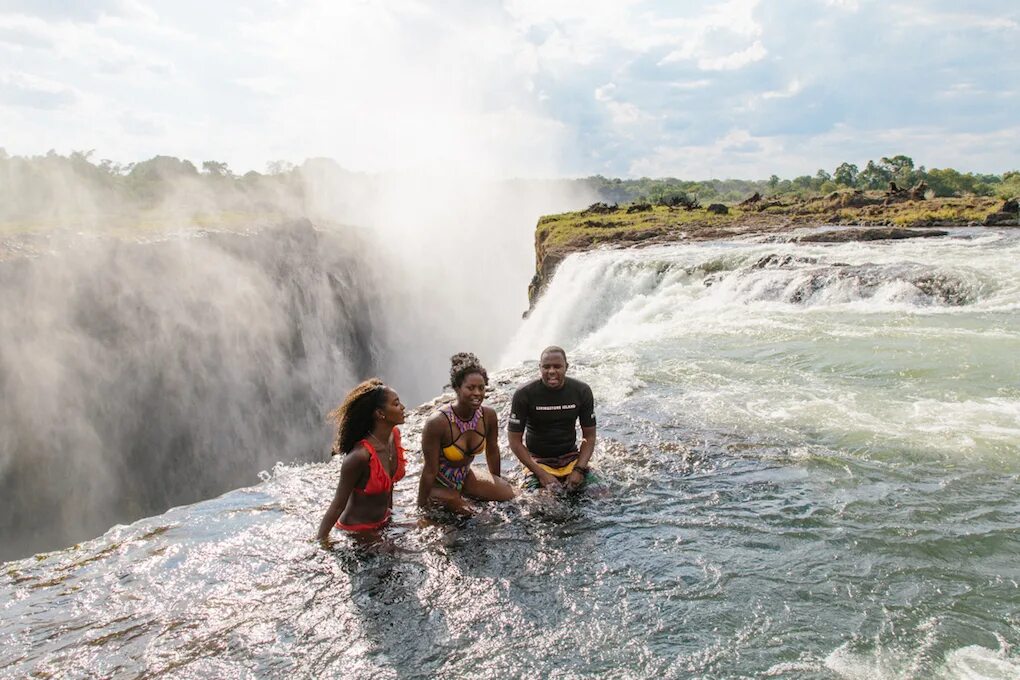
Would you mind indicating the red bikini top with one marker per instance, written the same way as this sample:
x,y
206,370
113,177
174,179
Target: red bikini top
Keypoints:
x,y
379,480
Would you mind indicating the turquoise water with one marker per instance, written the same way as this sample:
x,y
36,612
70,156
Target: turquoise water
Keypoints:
x,y
809,470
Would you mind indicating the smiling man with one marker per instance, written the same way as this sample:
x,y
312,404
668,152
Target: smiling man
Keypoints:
x,y
542,428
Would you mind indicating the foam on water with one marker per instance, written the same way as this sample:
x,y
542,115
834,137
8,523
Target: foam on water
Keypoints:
x,y
786,491
865,346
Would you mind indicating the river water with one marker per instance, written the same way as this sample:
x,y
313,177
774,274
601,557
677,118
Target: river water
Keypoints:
x,y
808,456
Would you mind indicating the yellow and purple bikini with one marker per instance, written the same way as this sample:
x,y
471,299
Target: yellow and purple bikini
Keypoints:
x,y
453,476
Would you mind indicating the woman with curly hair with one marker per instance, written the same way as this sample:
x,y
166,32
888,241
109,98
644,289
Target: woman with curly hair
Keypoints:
x,y
454,435
368,438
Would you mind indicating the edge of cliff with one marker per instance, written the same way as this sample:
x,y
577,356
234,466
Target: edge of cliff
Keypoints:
x,y
856,215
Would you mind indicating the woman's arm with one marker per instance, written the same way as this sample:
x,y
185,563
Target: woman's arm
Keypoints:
x,y
430,450
353,468
492,457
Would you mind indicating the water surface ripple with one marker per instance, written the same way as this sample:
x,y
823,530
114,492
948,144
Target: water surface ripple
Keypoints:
x,y
788,490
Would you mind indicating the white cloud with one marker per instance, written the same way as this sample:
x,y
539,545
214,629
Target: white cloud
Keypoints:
x,y
852,5
525,87
604,93
621,113
691,84
404,85
269,86
792,89
725,37
739,154
26,89
734,60
906,14
735,154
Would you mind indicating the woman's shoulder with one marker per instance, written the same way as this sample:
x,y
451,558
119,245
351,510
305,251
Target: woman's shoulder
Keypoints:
x,y
436,421
359,454
437,415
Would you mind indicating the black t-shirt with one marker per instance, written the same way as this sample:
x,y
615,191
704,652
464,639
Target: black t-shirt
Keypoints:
x,y
547,416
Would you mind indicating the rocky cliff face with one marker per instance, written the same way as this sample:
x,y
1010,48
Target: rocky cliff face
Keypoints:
x,y
892,214
139,376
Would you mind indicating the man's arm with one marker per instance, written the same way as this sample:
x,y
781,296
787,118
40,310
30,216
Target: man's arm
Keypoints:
x,y
587,420
523,455
587,445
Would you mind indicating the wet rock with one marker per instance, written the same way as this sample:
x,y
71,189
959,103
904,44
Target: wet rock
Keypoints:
x,y
1001,219
546,268
920,191
601,209
857,199
777,261
938,287
869,234
638,207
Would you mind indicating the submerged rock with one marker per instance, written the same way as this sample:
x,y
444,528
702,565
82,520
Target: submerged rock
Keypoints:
x,y
871,234
939,287
776,261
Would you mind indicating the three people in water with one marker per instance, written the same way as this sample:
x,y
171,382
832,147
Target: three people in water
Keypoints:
x,y
541,431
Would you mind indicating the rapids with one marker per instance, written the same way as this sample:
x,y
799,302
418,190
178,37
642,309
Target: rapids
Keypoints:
x,y
809,458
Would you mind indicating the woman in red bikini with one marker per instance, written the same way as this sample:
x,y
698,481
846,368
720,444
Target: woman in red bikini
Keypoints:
x,y
368,437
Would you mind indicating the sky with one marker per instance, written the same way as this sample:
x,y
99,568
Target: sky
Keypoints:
x,y
518,88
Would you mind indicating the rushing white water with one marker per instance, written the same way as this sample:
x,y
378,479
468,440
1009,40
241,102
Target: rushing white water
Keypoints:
x,y
909,346
137,376
808,464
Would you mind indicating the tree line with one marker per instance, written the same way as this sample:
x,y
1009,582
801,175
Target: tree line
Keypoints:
x,y
53,185
942,182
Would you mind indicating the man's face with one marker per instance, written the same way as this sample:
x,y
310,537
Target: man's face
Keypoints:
x,y
553,368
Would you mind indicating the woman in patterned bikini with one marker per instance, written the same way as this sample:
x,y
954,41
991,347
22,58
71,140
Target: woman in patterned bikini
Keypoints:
x,y
368,438
454,435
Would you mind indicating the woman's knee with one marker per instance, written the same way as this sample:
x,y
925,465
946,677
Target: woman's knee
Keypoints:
x,y
488,487
503,488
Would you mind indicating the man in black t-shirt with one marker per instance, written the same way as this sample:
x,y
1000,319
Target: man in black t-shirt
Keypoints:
x,y
546,410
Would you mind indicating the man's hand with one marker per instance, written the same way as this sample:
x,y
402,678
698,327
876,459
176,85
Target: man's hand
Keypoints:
x,y
548,481
574,480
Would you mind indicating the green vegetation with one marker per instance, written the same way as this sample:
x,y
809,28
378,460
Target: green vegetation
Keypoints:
x,y
53,191
589,227
875,176
602,223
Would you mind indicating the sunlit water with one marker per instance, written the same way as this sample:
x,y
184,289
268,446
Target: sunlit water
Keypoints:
x,y
809,459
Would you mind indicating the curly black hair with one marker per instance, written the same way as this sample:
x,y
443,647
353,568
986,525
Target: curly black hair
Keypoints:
x,y
464,364
354,416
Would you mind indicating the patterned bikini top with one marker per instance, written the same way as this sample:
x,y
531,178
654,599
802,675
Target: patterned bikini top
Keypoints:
x,y
454,452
